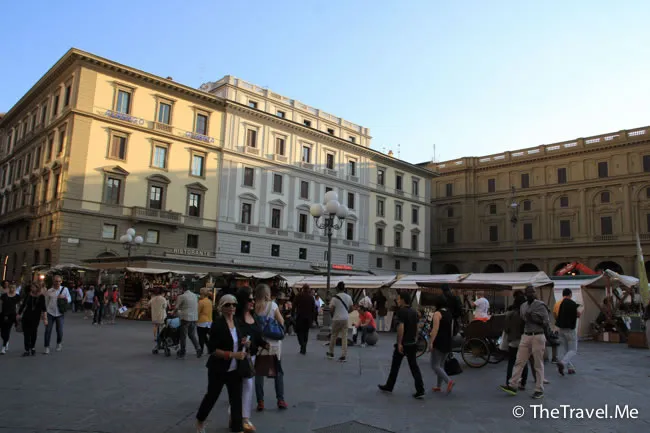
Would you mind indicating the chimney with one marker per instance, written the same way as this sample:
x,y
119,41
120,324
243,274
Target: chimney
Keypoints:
x,y
170,78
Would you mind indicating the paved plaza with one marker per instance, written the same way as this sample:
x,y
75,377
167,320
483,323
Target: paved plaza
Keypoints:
x,y
107,381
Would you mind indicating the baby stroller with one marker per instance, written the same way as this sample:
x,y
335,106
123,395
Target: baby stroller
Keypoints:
x,y
169,337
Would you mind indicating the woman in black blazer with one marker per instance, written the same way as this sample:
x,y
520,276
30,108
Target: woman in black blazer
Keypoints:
x,y
226,347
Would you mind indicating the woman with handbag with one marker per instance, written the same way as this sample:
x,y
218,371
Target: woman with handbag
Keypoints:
x,y
250,329
226,348
8,315
31,312
440,342
268,362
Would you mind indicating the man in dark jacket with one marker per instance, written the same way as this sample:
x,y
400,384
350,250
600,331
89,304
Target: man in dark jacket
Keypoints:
x,y
454,305
303,306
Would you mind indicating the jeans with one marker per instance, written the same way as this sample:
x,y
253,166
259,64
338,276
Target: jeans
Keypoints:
x,y
203,334
569,342
216,381
381,323
279,383
534,345
302,331
365,330
5,328
438,365
99,314
51,321
410,351
112,311
188,328
30,333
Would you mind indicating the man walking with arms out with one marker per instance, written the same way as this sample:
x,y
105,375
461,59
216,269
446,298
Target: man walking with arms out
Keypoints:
x,y
533,342
567,315
340,307
407,331
187,307
56,302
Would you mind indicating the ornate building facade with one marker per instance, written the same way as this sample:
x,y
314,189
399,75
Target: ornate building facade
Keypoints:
x,y
540,208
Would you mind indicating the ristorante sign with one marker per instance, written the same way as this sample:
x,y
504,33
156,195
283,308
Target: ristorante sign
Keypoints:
x,y
192,252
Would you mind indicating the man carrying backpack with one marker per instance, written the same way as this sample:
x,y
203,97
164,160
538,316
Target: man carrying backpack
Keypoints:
x,y
340,306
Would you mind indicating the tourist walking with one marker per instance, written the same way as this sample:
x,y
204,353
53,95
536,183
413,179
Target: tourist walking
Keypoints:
x,y
265,308
205,317
89,302
114,303
31,312
57,300
159,306
79,300
379,302
407,331
225,348
567,318
440,342
514,329
100,304
340,306
533,342
8,315
303,305
187,308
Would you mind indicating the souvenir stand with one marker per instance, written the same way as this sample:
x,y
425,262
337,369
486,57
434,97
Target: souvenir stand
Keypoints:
x,y
73,275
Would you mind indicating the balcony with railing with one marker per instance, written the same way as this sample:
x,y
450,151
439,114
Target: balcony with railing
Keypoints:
x,y
156,215
24,213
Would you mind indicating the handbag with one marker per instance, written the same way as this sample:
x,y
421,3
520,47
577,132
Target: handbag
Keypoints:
x,y
245,367
265,366
271,329
452,366
504,342
62,304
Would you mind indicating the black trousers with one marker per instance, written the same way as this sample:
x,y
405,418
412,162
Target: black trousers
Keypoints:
x,y
30,333
203,336
302,330
5,328
216,381
410,351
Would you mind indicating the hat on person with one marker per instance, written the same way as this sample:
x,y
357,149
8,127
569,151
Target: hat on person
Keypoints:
x,y
227,299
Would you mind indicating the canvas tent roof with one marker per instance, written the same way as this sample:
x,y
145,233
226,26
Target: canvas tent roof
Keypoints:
x,y
154,271
512,280
410,282
262,275
624,280
293,280
351,281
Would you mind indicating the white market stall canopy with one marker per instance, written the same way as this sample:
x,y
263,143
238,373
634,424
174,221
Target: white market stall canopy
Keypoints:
x,y
154,271
622,280
351,282
293,280
262,275
410,282
514,280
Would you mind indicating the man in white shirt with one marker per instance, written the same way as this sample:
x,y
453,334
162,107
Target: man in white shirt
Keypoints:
x,y
54,315
340,306
482,306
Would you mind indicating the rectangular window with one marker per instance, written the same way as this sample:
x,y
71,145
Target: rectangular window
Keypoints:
x,y
245,247
304,190
198,165
252,104
251,138
493,209
398,182
246,213
564,201
381,177
492,185
302,222
160,156
50,148
415,215
398,239
192,241
276,218
194,205
37,158
450,236
249,176
646,163
398,212
117,148
528,231
55,105
43,114
350,200
415,187
68,92
450,212
565,229
279,146
277,183
449,190
604,197
527,205
379,236
352,139
275,250
113,190
307,123
380,262
414,266
155,197
398,265
494,233
306,154
349,233
153,237
51,230
414,242
281,114
123,104
57,180
109,231
164,113
352,167
302,253
350,259
603,170
61,141
329,161
201,124
380,207
44,191
330,131
28,163
606,227
561,175
525,180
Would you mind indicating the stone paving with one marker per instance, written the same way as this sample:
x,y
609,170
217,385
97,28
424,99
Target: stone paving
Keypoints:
x,y
107,381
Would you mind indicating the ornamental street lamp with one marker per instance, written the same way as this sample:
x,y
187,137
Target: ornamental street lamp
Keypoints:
x,y
130,241
329,217
514,220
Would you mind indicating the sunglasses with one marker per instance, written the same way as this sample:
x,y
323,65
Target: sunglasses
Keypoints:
x,y
251,299
229,305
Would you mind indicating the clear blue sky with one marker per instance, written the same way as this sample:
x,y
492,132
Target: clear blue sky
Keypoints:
x,y
474,77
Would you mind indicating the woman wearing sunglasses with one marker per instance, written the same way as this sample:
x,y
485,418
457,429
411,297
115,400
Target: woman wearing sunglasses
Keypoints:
x,y
226,346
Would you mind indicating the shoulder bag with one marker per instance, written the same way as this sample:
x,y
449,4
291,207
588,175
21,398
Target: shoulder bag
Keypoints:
x,y
62,304
271,329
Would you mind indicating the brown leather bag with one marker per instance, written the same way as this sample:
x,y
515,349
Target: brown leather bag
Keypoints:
x,y
265,366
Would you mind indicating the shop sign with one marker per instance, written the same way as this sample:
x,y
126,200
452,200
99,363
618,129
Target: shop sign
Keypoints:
x,y
342,267
192,252
124,117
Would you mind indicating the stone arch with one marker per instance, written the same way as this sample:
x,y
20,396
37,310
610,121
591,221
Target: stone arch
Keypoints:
x,y
609,264
493,268
528,267
640,193
450,269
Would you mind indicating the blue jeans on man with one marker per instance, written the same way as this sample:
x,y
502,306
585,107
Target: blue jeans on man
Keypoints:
x,y
51,322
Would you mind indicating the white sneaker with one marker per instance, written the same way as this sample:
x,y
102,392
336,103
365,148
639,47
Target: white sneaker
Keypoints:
x,y
47,351
546,382
363,344
59,347
3,351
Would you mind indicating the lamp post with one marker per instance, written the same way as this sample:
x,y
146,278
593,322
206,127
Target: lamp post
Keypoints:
x,y
130,241
329,217
514,220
